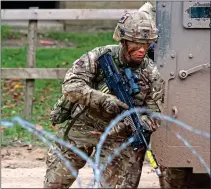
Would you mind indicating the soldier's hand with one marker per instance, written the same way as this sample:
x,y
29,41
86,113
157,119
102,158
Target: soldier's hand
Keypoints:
x,y
112,105
122,128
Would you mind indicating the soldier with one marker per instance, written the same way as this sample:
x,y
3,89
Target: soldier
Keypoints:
x,y
92,108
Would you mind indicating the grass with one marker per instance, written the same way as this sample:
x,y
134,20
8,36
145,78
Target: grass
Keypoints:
x,y
7,33
46,91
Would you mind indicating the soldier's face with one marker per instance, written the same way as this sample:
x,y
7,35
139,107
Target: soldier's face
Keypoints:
x,y
137,51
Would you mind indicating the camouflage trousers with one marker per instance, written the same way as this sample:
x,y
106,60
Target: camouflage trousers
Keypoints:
x,y
183,178
123,172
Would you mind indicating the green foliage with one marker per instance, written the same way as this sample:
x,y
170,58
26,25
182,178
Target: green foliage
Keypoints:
x,y
84,39
8,33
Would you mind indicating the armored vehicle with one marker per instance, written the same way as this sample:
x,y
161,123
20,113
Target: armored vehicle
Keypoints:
x,y
183,58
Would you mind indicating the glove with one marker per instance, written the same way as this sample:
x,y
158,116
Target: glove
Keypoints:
x,y
123,128
150,124
112,105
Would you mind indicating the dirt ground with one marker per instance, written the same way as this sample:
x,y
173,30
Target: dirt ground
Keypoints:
x,y
23,168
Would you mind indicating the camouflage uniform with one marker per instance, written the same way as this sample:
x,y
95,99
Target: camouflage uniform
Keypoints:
x,y
183,178
83,86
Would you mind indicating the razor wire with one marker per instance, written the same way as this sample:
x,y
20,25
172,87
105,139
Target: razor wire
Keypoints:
x,y
97,167
67,163
153,115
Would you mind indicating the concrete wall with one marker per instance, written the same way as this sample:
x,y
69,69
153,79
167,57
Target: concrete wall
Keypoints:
x,y
93,25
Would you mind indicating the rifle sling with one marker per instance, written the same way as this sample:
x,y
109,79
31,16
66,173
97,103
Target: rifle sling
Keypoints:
x,y
72,122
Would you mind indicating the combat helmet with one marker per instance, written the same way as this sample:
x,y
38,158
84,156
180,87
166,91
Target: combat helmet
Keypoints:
x,y
137,26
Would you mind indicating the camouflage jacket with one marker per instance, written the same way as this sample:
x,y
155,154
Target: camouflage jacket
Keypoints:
x,y
83,82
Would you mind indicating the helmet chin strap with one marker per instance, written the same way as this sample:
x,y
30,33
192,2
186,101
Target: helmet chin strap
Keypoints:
x,y
127,59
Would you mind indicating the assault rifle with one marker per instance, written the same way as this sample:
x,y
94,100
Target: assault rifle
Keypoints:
x,y
124,86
